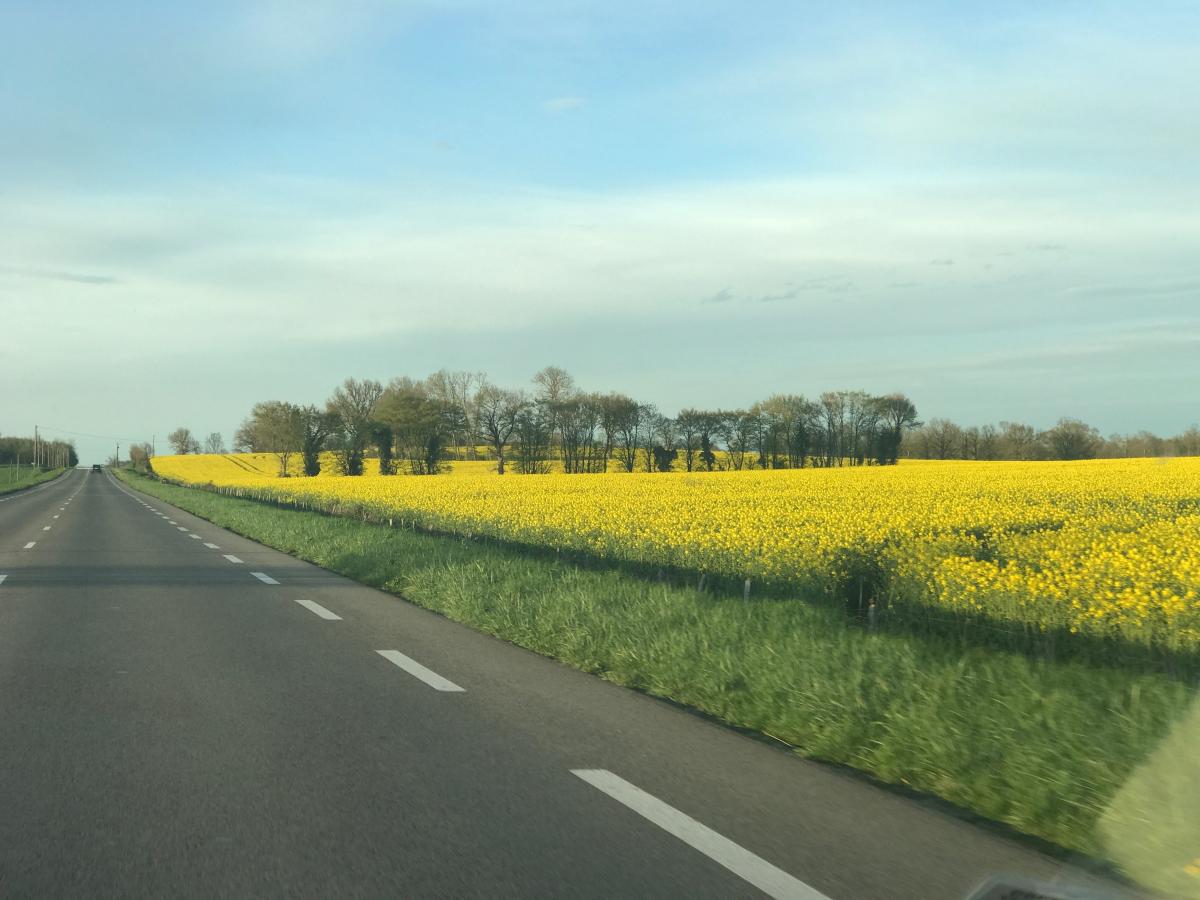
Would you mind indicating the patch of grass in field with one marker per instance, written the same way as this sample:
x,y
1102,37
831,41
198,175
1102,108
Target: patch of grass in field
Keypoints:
x,y
1042,746
16,478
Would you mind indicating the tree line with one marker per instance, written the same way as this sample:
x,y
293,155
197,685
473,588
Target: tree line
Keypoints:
x,y
50,454
1068,439
415,427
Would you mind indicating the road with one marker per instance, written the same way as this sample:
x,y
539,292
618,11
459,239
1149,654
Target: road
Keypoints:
x,y
188,713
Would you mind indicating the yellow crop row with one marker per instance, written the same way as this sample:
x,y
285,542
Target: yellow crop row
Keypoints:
x,y
1104,547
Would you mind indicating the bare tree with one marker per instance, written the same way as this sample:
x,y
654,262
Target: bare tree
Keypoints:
x,y
182,442
1018,441
771,437
1187,443
614,408
944,439
989,443
688,428
214,443
833,420
969,438
578,419
273,426
280,429
1145,444
531,439
459,390
497,411
553,384
631,426
739,429
552,388
861,427
353,404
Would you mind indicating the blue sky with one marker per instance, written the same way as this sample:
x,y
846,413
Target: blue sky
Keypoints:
x,y
996,212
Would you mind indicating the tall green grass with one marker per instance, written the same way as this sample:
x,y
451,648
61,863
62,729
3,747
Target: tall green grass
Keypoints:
x,y
1041,745
16,478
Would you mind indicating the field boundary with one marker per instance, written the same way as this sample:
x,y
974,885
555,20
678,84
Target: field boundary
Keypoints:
x,y
976,629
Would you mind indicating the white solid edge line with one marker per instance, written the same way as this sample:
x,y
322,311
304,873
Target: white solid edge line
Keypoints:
x,y
30,545
415,669
771,880
231,557
211,546
318,609
264,578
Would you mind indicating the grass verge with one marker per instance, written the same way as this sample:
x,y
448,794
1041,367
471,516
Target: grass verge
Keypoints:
x,y
24,477
1041,746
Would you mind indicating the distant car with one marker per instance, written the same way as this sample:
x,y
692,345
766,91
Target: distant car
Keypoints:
x,y
95,467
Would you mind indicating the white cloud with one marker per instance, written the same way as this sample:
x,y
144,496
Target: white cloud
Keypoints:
x,y
229,289
286,32
563,104
1037,95
239,268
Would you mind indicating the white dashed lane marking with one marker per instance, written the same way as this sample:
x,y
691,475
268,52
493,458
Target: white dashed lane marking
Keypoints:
x,y
312,606
318,609
771,880
30,545
415,669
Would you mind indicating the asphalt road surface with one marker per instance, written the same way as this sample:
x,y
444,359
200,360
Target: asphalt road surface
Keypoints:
x,y
184,712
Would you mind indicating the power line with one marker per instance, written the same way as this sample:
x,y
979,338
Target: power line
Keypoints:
x,y
107,437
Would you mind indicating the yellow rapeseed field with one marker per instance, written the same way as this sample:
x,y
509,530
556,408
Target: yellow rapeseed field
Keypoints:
x,y
1102,547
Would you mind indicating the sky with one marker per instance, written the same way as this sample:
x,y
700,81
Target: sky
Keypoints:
x,y
993,209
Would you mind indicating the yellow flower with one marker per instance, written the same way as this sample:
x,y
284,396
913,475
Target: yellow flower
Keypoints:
x,y
1103,547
